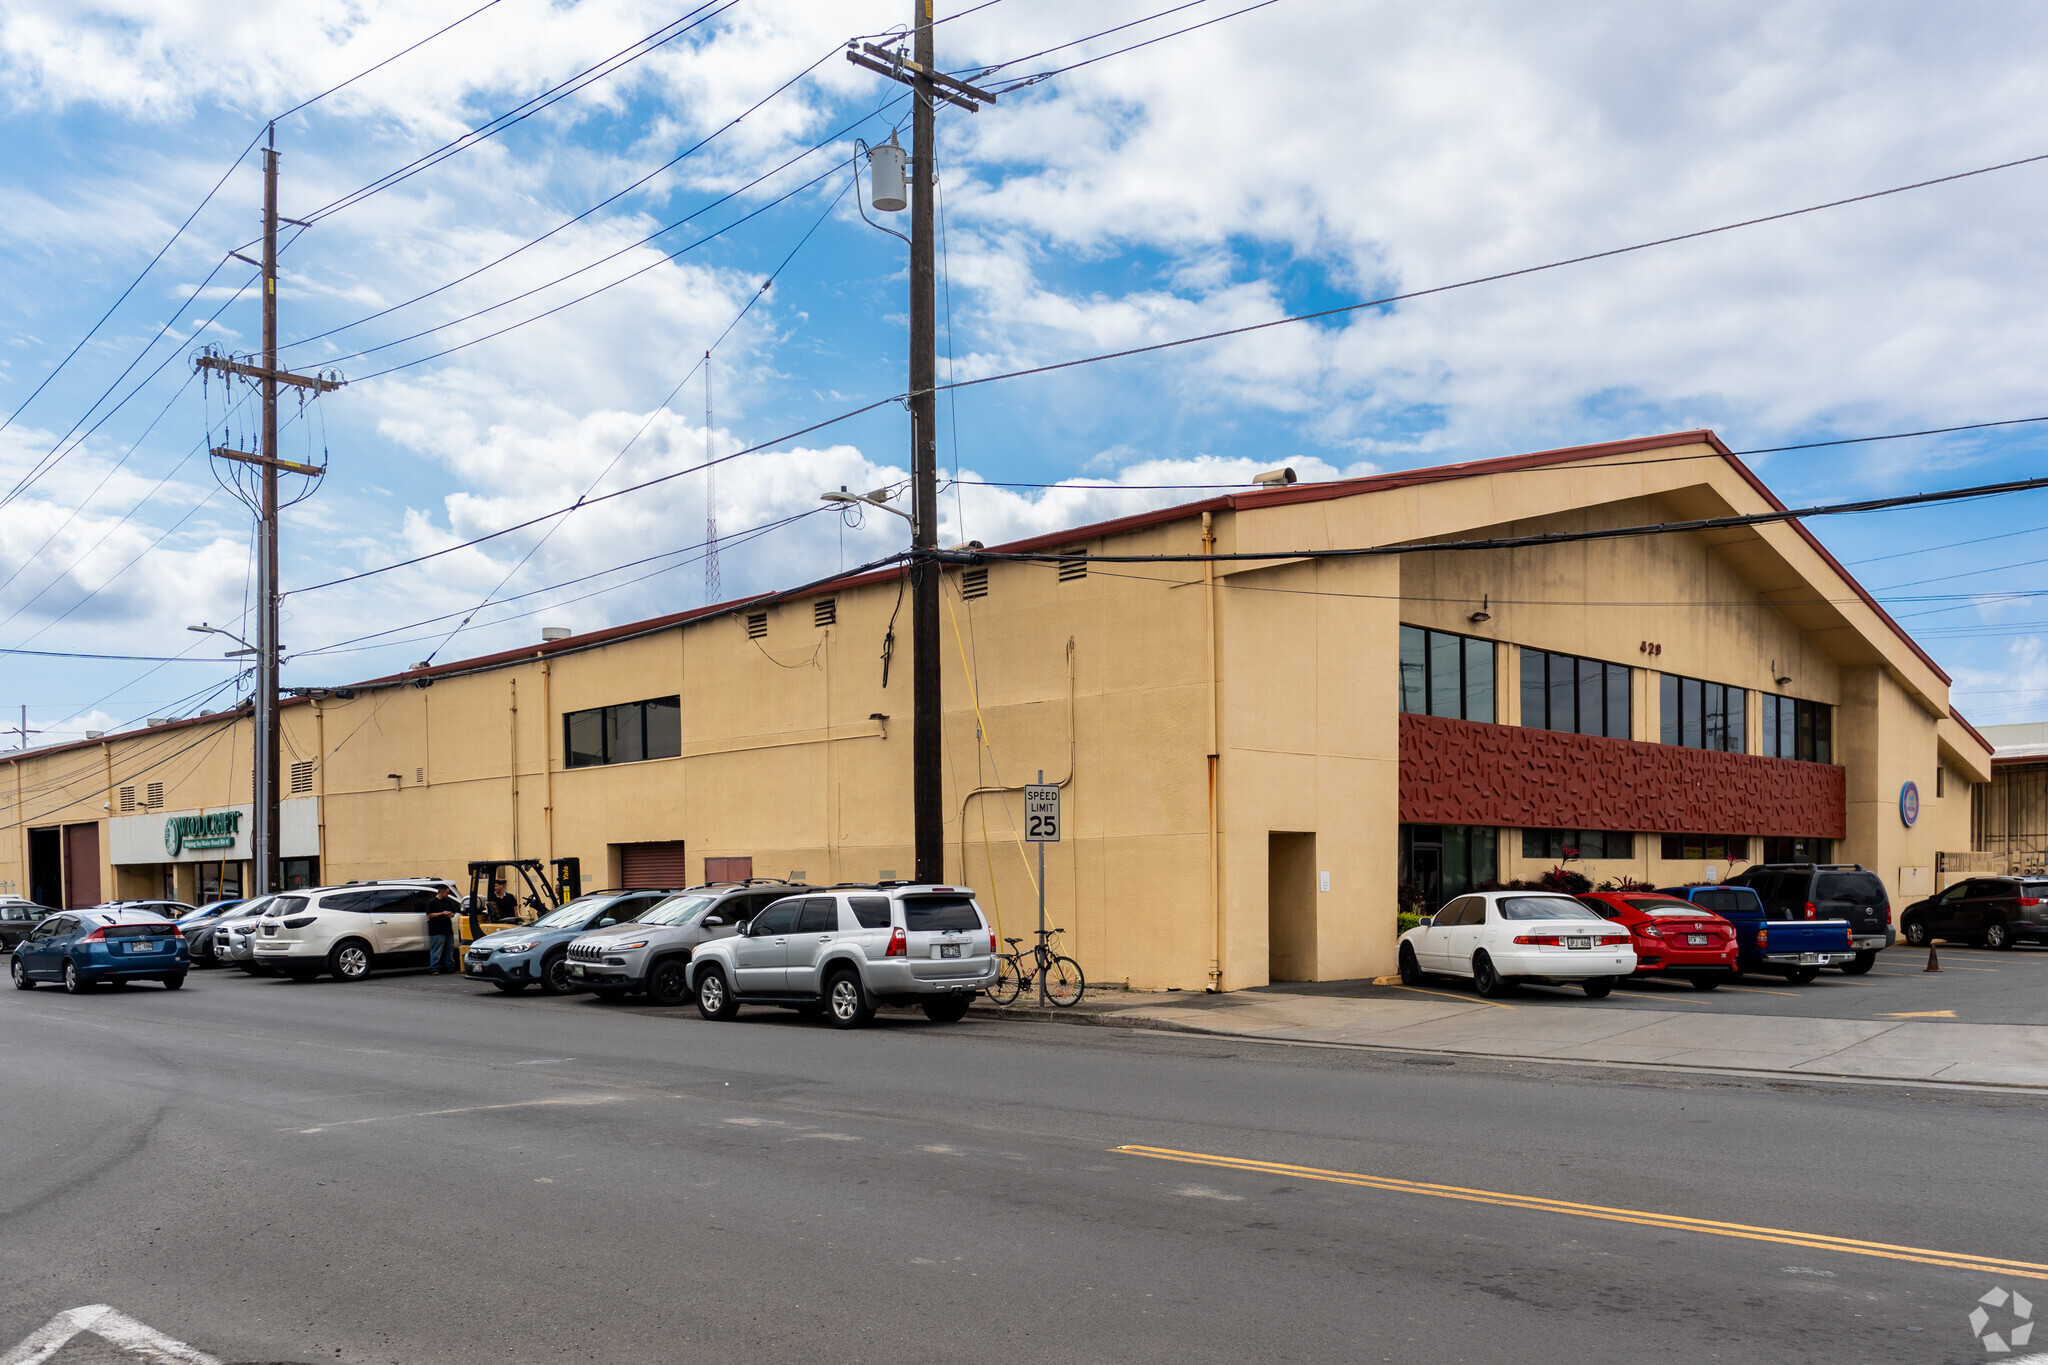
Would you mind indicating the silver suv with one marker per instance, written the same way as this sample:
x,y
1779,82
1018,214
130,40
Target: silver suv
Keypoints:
x,y
842,951
651,953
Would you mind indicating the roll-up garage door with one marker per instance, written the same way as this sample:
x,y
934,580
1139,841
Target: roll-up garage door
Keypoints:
x,y
653,866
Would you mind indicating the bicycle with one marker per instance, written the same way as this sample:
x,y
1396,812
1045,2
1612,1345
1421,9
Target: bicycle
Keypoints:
x,y
1064,984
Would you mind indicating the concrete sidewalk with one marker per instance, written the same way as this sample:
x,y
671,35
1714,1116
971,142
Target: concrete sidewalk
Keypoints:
x,y
2011,1055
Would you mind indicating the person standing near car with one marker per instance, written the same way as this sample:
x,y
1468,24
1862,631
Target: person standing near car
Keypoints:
x,y
441,931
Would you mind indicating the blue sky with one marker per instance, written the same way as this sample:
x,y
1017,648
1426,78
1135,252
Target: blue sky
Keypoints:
x,y
1300,156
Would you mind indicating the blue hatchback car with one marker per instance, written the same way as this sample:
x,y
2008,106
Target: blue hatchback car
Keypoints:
x,y
82,948
537,953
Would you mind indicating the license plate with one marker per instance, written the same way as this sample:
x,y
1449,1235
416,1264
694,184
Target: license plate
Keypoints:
x,y
1809,957
949,950
142,946
1696,940
576,970
1578,943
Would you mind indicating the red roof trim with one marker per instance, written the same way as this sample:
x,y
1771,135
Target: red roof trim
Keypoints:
x,y
1974,733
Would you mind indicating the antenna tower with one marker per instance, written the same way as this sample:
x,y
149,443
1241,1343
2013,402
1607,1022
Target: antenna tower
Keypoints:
x,y
711,587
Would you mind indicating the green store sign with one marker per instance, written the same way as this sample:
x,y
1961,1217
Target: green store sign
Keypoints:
x,y
218,830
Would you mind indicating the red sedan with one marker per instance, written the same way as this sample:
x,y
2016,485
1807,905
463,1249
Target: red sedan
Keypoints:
x,y
1672,938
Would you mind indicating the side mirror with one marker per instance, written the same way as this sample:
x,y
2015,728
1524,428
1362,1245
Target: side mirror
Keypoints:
x,y
603,922
712,922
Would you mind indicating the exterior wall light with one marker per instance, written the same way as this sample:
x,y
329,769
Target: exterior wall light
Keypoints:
x,y
1482,615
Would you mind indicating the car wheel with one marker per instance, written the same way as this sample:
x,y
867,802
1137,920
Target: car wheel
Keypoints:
x,y
554,973
22,980
947,1009
846,1004
1915,932
350,960
1485,979
1597,987
669,983
73,982
1411,970
511,987
714,996
1705,983
174,981
1997,935
1865,960
1799,976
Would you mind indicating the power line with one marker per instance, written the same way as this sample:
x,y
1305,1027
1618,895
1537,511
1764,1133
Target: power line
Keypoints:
x,y
1408,295
1509,542
690,151
119,658
1075,66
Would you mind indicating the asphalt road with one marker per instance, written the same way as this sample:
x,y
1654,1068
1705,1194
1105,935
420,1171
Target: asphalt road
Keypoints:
x,y
1974,986
414,1170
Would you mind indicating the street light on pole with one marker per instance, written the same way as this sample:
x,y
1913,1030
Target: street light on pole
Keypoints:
x,y
246,648
878,498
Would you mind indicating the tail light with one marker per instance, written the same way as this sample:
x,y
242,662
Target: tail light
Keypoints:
x,y
991,940
1542,940
1811,911
899,946
1649,931
1763,939
2024,900
299,923
1612,940
96,936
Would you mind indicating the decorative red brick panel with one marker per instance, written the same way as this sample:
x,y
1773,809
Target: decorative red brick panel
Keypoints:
x,y
1462,772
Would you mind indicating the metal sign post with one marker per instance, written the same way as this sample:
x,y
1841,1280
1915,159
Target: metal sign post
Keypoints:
x,y
1041,827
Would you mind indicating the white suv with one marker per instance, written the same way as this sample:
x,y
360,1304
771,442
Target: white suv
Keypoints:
x,y
844,950
347,930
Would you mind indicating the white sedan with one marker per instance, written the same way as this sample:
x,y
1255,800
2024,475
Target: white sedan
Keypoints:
x,y
1502,938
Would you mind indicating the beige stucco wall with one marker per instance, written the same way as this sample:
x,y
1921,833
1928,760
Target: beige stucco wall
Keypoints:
x,y
1113,684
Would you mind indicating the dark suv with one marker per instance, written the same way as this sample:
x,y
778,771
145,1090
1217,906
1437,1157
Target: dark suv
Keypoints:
x,y
1995,912
1828,891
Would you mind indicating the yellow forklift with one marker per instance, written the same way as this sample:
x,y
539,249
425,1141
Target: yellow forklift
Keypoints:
x,y
486,912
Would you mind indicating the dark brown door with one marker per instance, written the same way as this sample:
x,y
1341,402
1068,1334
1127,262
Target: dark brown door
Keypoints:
x,y
728,869
652,866
81,866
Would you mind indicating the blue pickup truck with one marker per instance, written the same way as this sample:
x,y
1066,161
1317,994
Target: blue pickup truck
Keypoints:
x,y
1795,948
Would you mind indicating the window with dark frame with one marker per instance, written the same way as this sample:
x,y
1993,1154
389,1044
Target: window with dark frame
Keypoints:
x,y
627,733
1695,847
1446,675
1575,695
1793,728
1585,843
1695,714
1797,849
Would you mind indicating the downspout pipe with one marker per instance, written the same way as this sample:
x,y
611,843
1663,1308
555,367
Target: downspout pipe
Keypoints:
x,y
1214,755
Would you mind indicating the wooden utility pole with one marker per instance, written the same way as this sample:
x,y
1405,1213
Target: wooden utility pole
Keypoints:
x,y
264,839
927,757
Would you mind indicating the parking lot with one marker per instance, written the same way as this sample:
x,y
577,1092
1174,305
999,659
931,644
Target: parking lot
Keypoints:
x,y
1974,986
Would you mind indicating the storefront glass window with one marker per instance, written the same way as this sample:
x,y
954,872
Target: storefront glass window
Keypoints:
x,y
1579,696
1798,729
1440,862
1446,675
1585,843
1700,715
626,733
1693,847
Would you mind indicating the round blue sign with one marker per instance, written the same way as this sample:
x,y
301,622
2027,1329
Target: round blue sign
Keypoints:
x,y
1909,804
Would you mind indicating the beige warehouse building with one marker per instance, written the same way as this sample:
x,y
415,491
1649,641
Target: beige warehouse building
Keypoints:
x,y
1258,761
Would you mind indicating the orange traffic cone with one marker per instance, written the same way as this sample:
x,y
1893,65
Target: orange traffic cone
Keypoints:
x,y
1933,960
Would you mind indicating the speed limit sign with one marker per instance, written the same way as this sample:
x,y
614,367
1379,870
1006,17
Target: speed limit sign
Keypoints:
x,y
1042,815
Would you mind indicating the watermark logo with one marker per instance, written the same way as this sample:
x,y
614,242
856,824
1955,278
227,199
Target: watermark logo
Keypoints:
x,y
2002,1309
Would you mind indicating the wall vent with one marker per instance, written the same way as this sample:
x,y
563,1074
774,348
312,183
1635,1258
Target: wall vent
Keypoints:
x,y
974,581
1071,569
825,611
127,800
757,624
302,778
419,777
155,799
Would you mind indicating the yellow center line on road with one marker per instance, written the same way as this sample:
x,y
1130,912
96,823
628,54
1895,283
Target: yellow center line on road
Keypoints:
x,y
1758,990
1468,999
1955,1260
